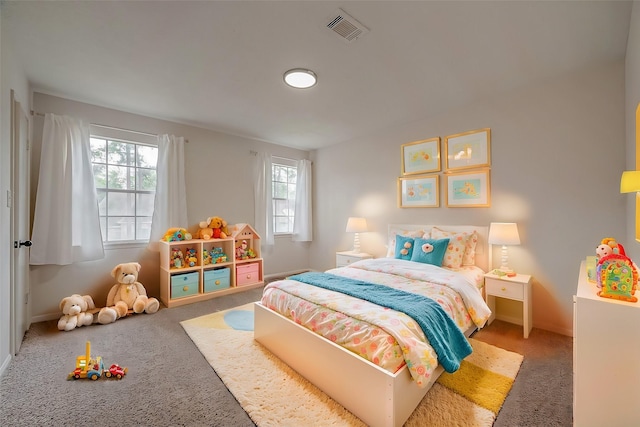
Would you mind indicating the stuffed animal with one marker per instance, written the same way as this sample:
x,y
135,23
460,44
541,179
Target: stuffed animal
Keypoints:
x,y
205,231
609,246
176,235
241,251
177,258
74,312
192,257
127,294
219,227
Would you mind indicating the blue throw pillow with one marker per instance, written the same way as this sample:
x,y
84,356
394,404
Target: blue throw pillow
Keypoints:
x,y
404,247
429,251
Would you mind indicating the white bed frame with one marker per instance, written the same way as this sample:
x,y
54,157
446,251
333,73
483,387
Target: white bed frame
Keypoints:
x,y
376,396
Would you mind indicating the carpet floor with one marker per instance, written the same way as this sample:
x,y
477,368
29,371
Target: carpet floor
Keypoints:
x,y
170,383
275,395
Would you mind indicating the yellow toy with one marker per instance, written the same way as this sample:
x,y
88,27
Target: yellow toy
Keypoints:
x,y
176,234
219,227
86,366
205,231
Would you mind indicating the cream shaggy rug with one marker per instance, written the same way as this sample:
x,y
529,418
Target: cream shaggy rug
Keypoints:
x,y
275,395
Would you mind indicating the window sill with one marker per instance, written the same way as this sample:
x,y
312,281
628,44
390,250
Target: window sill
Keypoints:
x,y
108,246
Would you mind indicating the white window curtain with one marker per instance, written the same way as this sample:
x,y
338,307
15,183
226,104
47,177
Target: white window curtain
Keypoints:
x,y
66,227
262,197
170,208
302,224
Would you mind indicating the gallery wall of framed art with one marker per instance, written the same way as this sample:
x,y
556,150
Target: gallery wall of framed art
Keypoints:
x,y
466,172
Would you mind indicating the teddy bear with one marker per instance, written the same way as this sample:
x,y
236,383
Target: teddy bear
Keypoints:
x,y
205,231
219,227
127,294
75,312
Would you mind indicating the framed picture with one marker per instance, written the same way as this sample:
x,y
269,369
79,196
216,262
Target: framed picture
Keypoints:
x,y
419,192
468,150
421,156
469,189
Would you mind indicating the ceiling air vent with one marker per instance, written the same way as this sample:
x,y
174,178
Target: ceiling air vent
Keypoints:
x,y
346,27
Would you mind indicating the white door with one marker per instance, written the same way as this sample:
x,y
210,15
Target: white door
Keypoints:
x,y
20,219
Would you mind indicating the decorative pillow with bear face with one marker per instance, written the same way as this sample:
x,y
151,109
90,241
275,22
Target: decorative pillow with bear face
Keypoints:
x,y
404,247
405,233
429,251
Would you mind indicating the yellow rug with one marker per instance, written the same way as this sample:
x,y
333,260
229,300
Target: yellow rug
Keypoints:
x,y
275,395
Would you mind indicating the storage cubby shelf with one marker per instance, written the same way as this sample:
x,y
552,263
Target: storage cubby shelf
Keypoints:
x,y
182,283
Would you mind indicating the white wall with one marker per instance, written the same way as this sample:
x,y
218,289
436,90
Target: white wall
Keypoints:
x,y
632,93
557,153
11,77
219,183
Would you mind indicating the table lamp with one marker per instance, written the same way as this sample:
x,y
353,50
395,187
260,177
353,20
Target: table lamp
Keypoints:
x,y
356,225
504,234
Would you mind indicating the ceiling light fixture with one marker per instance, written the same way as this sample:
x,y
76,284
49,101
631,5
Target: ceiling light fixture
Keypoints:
x,y
300,78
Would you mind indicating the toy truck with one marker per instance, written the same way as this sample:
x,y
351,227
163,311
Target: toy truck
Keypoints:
x,y
87,367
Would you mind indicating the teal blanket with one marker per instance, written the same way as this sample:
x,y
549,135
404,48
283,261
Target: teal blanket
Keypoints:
x,y
443,334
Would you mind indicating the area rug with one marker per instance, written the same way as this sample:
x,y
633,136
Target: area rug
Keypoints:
x,y
275,395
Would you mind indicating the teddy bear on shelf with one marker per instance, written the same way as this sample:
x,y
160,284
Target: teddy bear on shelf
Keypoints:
x,y
219,227
75,312
127,294
205,231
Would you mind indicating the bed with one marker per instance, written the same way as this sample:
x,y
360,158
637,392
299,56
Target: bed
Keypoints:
x,y
374,361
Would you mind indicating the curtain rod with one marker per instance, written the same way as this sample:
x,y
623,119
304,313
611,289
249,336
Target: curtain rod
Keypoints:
x,y
34,113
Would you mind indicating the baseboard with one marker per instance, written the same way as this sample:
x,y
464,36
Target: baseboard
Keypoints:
x,y
546,327
5,364
46,317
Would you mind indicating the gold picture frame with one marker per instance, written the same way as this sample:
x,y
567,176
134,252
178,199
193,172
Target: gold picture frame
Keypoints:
x,y
420,157
469,189
419,191
466,150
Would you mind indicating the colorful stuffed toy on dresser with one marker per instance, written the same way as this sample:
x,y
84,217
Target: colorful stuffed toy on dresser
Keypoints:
x,y
616,274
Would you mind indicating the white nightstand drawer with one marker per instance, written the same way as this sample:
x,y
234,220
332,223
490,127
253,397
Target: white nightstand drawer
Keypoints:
x,y
343,259
504,289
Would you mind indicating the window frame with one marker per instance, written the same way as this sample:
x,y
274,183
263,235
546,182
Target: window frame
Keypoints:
x,y
137,141
288,163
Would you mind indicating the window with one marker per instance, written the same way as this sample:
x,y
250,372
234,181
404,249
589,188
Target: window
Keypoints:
x,y
125,179
283,178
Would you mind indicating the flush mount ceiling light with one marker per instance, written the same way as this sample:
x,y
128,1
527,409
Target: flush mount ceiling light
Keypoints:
x,y
300,78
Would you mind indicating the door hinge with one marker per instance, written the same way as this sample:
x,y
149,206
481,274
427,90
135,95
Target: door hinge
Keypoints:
x,y
9,199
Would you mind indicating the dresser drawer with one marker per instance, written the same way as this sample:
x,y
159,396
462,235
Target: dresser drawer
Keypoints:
x,y
183,285
344,259
214,280
246,274
504,289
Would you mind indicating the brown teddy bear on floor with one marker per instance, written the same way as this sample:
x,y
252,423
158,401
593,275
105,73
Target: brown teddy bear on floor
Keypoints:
x,y
127,294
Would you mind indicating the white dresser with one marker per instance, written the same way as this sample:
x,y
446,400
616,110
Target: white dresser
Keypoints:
x,y
606,358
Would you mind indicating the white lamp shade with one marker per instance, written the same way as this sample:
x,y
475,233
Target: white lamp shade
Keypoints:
x,y
504,233
356,225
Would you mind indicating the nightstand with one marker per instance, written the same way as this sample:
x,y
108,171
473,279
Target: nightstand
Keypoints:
x,y
348,257
516,288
